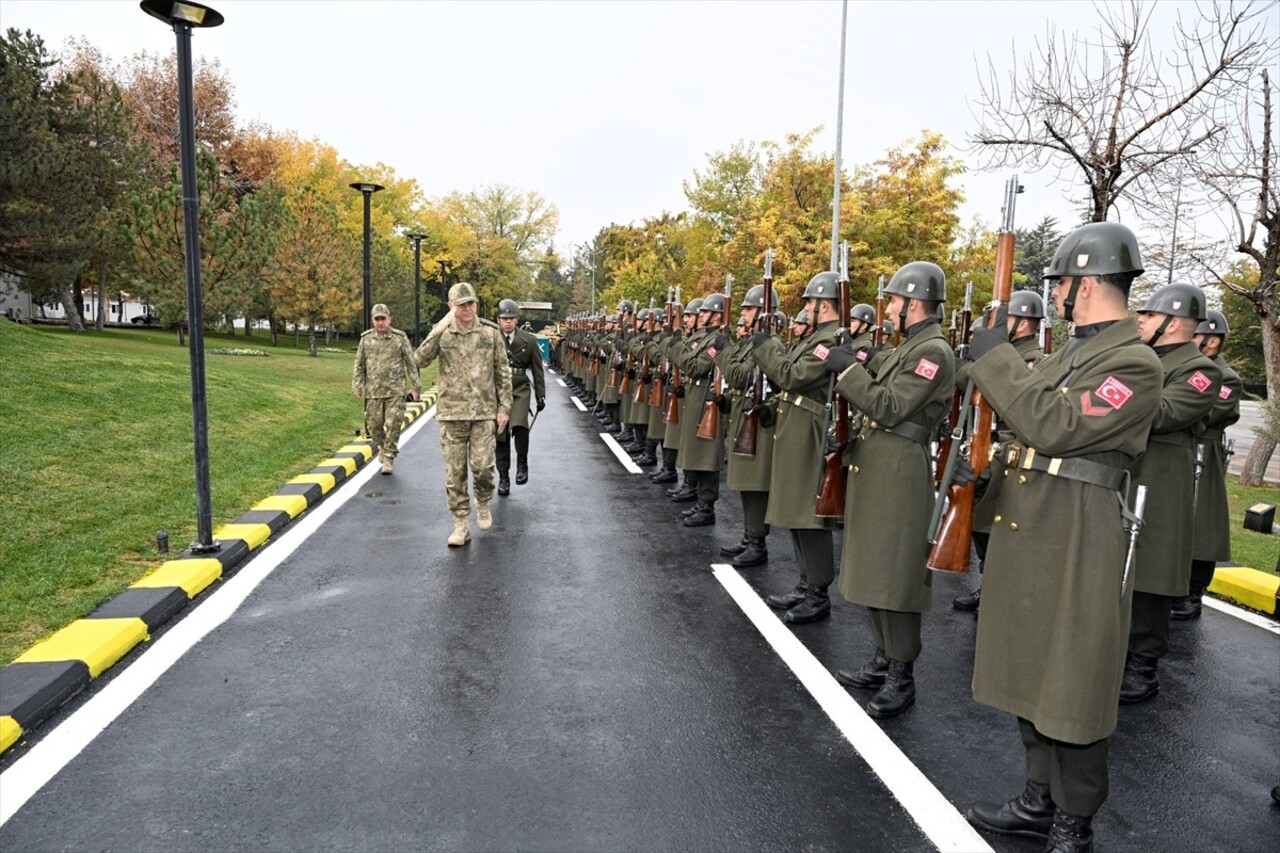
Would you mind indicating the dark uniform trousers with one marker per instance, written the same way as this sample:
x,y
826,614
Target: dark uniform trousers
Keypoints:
x,y
521,437
897,633
708,484
814,553
1076,774
1149,629
754,505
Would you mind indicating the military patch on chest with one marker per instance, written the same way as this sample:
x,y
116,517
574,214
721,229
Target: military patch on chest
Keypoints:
x,y
1114,392
1199,381
1224,393
821,351
926,368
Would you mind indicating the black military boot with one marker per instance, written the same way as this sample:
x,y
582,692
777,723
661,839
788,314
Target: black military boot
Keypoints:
x,y
665,475
735,550
650,455
684,484
898,693
1188,607
626,436
1030,814
522,470
871,674
1070,834
787,600
686,494
755,554
816,605
703,514
969,603
504,483
1140,681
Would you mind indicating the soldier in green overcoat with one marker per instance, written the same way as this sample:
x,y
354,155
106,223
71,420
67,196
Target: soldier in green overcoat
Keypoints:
x,y
1211,542
1054,620
799,444
700,457
656,428
1162,561
529,394
883,563
687,491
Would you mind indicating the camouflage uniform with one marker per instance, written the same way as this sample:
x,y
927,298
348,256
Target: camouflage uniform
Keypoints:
x,y
383,363
475,387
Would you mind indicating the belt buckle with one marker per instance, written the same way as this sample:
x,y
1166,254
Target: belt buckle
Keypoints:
x,y
1011,460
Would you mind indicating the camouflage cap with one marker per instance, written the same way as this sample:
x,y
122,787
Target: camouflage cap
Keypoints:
x,y
380,310
461,293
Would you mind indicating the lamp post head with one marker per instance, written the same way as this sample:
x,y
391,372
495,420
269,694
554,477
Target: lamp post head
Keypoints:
x,y
366,188
416,238
182,11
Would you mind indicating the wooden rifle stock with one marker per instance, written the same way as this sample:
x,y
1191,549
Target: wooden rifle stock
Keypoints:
x,y
829,501
709,423
744,443
957,396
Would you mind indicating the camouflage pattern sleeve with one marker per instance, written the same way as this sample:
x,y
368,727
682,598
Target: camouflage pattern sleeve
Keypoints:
x,y
410,364
359,373
502,374
428,350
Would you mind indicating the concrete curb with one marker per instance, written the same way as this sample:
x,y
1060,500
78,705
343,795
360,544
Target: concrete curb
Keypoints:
x,y
57,668
1247,587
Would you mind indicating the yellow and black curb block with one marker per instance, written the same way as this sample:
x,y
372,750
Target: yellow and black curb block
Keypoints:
x,y
1247,587
49,673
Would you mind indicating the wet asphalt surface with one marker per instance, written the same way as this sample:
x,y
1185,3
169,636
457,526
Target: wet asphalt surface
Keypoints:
x,y
576,679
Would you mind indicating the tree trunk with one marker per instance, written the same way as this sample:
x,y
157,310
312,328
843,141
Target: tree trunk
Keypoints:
x,y
102,294
77,291
327,331
182,338
1254,469
311,341
1255,464
248,326
75,321
275,332
296,333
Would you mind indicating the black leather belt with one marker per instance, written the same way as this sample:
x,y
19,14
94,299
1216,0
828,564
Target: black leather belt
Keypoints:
x,y
1178,439
1069,467
906,429
800,401
1212,435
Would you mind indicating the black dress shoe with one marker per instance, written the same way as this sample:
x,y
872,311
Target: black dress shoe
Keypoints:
x,y
685,496
1140,681
871,674
755,554
1187,607
735,550
1030,814
1070,833
816,605
701,517
504,486
787,600
646,459
968,603
671,493
898,693
666,475
626,437
522,473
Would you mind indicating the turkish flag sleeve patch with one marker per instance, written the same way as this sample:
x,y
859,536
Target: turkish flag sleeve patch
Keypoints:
x,y
821,351
1224,393
1199,381
926,368
711,351
1115,392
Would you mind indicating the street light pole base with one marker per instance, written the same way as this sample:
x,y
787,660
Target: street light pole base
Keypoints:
x,y
212,548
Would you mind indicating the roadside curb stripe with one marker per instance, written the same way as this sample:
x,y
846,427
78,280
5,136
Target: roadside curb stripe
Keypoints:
x,y
623,457
49,673
1249,587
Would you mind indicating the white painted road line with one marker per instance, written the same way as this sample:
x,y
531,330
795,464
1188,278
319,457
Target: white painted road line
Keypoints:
x,y
1240,613
622,455
32,771
578,403
931,811
562,384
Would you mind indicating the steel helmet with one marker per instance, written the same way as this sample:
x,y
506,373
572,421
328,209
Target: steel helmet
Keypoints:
x,y
802,319
754,297
713,303
919,280
1214,323
694,306
1026,304
508,308
626,306
779,321
1176,300
863,313
824,285
1096,248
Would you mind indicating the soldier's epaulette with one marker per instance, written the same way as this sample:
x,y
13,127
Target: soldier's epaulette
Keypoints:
x,y
490,323
367,332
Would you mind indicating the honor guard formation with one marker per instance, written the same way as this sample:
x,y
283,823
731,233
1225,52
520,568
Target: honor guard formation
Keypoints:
x,y
1071,475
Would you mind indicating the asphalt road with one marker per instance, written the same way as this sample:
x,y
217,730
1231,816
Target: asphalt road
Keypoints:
x,y
578,678
1242,432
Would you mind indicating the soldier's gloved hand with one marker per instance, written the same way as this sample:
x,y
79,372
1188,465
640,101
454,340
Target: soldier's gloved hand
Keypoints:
x,y
865,354
766,416
985,340
680,391
631,374
720,342
758,339
964,475
646,378
722,403
677,334
542,404
839,359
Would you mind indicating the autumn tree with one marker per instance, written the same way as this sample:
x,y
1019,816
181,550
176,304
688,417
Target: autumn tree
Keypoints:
x,y
317,269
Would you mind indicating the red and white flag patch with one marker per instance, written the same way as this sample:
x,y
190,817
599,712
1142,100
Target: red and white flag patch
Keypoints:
x,y
1199,381
1114,392
860,355
1224,393
711,351
821,351
926,368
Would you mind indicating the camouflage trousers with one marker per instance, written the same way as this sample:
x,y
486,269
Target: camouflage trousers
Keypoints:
x,y
466,443
382,419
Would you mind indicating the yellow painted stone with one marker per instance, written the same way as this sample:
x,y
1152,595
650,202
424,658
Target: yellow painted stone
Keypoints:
x,y
10,731
349,464
97,642
292,504
1249,587
363,449
325,481
252,534
192,575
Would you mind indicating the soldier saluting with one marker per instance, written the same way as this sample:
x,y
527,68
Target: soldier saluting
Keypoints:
x,y
384,365
1055,604
525,357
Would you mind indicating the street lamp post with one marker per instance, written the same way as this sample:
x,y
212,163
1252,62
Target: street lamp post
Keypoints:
x,y
367,190
444,282
417,285
183,17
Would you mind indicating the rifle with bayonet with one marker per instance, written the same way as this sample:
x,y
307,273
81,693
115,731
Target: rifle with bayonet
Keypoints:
x,y
709,423
958,397
671,415
829,493
644,377
744,443
658,390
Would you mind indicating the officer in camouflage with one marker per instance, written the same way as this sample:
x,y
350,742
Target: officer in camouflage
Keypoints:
x,y
525,357
384,367
474,404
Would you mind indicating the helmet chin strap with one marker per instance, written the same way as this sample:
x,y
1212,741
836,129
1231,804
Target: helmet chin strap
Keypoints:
x,y
902,317
1069,304
1160,330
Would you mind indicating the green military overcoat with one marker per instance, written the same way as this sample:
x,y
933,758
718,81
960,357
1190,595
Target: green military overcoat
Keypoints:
x,y
1212,539
746,473
1054,624
525,357
698,369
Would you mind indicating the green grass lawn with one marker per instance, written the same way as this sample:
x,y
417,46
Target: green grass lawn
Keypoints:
x,y
97,454
1256,550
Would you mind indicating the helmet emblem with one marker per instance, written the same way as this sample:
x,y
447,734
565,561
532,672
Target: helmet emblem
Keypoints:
x,y
1176,305
911,288
1082,261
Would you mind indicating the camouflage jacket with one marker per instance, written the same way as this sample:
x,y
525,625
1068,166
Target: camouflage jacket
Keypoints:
x,y
474,379
383,363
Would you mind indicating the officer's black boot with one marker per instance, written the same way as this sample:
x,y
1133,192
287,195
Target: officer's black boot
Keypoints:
x,y
522,470
816,605
703,514
650,455
1030,814
898,693
735,550
871,674
789,599
755,554
1188,607
1070,834
504,483
1140,681
626,436
665,475
969,603
687,493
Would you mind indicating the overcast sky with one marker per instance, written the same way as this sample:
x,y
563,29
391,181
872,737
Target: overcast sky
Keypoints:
x,y
603,107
